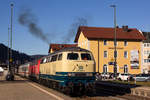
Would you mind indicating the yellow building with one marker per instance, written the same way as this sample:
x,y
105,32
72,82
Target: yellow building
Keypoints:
x,y
100,41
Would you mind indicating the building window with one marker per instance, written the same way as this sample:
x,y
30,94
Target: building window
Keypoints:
x,y
144,44
105,68
85,43
125,54
147,44
125,43
105,54
116,43
148,52
105,42
145,52
82,44
115,54
145,60
125,69
148,60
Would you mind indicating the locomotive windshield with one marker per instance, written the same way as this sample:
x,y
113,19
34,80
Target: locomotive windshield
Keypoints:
x,y
85,56
60,57
73,56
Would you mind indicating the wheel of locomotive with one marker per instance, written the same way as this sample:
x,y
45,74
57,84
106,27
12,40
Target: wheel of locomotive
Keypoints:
x,y
71,87
57,86
67,90
53,85
42,81
60,88
39,81
81,89
90,89
46,82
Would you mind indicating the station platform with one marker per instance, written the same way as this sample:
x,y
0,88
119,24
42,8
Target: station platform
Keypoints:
x,y
141,91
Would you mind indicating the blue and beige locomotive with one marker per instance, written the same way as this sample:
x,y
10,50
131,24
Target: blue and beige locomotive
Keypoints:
x,y
68,70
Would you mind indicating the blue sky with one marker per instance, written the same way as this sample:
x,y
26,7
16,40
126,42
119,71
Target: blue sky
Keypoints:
x,y
56,17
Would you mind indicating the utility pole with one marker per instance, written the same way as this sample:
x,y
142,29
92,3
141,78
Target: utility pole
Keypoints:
x,y
8,51
115,42
10,75
11,18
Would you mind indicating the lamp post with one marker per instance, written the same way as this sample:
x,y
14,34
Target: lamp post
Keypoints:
x,y
11,31
8,50
10,75
115,42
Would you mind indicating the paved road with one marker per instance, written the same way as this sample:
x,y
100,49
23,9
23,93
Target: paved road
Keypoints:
x,y
26,90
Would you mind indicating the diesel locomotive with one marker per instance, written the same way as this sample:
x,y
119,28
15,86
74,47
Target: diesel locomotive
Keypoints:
x,y
70,70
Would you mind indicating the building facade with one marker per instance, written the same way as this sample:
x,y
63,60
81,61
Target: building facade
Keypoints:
x,y
145,57
146,53
100,41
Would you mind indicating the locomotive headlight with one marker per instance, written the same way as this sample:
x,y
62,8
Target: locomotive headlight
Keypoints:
x,y
89,74
71,74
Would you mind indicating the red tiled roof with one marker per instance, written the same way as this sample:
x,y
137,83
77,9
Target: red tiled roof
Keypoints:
x,y
56,47
108,33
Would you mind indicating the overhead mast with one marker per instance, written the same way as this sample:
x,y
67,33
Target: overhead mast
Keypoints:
x,y
10,75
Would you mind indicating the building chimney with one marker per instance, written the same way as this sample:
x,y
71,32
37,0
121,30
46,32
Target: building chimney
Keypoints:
x,y
125,28
117,26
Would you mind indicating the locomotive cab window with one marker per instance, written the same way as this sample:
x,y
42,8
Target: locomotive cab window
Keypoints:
x,y
85,56
73,56
44,61
54,58
60,57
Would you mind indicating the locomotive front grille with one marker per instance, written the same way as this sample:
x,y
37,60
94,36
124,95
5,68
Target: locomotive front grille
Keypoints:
x,y
80,74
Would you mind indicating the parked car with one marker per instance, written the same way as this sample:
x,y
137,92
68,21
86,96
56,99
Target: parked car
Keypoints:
x,y
1,71
142,77
112,75
105,75
124,77
98,77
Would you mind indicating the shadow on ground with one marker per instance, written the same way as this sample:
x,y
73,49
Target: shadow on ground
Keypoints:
x,y
15,81
107,88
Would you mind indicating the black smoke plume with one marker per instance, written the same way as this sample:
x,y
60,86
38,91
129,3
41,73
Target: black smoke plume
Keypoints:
x,y
80,21
27,19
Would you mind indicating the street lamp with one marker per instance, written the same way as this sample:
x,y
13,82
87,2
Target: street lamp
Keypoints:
x,y
8,50
115,41
10,75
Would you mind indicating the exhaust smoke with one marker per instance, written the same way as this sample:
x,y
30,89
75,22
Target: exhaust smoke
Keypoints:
x,y
27,19
80,21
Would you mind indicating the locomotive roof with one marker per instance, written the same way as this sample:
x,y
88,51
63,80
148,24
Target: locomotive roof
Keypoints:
x,y
75,49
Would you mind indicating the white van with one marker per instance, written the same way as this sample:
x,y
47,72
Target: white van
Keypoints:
x,y
1,69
